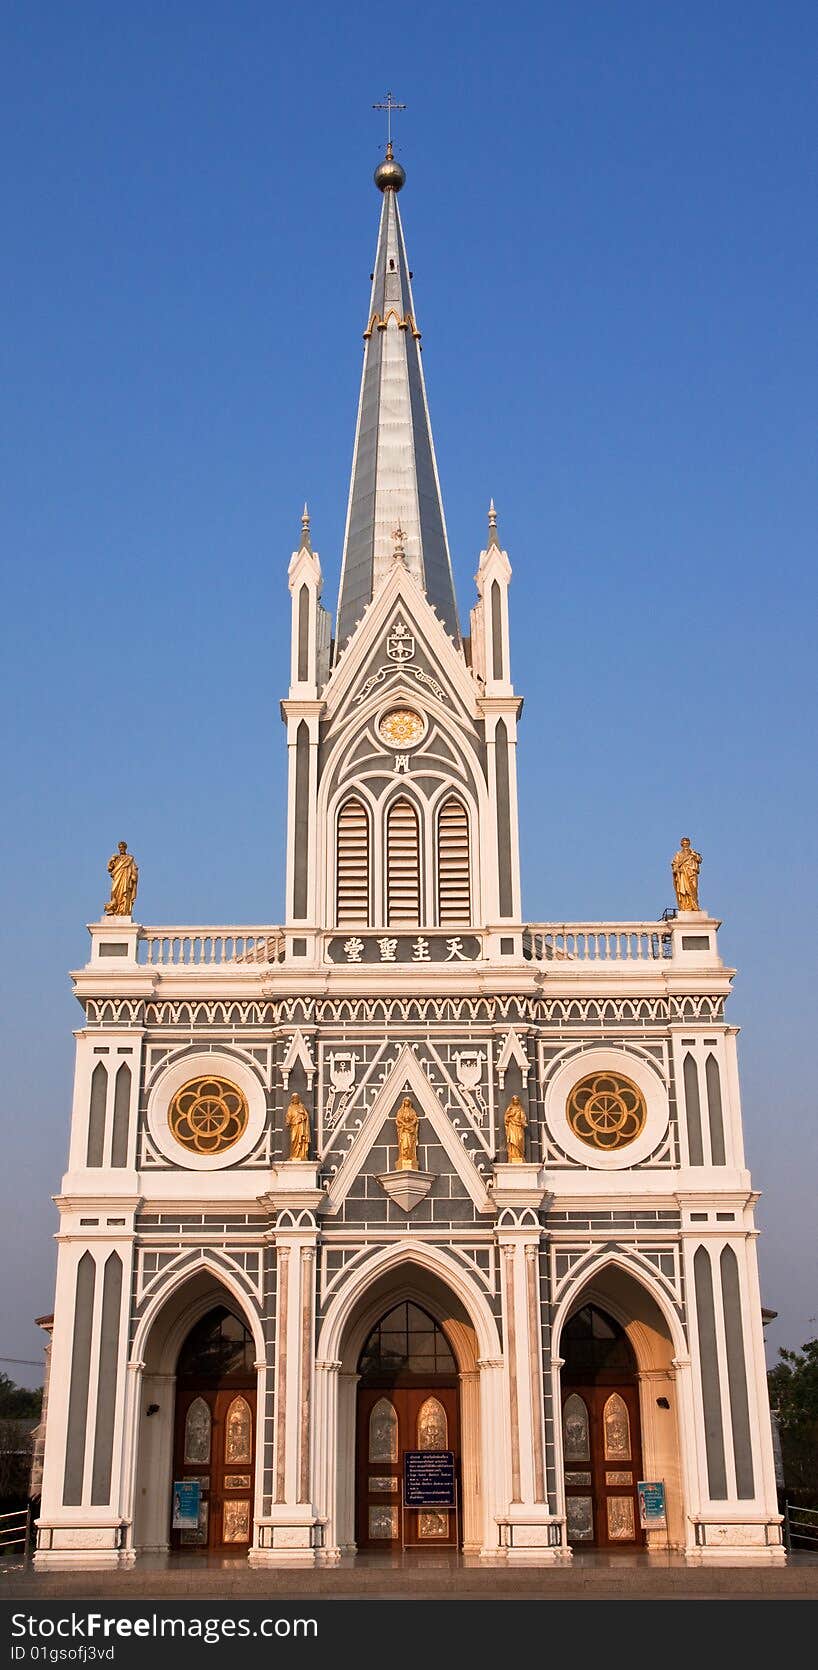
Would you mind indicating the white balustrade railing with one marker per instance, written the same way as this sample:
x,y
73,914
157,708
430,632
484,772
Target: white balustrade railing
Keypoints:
x,y
543,942
207,947
597,942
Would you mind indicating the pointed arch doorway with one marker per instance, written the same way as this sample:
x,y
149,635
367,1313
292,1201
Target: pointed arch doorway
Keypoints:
x,y
408,1399
601,1432
214,1432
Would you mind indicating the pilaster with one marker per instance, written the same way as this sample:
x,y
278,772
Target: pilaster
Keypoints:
x,y
530,1531
289,1530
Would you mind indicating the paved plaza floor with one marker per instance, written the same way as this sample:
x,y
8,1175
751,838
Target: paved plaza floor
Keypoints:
x,y
444,1577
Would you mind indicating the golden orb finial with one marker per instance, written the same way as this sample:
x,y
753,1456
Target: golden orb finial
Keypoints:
x,y
389,176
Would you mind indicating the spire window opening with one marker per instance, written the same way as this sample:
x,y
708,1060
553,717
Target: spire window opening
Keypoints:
x,y
402,865
453,880
352,866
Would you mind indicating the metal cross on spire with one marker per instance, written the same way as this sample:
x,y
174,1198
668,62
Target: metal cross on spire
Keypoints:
x,y
389,104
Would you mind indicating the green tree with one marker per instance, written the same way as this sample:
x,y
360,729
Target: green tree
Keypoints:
x,y
793,1387
17,1402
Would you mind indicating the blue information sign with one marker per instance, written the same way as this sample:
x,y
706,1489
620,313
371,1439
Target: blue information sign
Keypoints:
x,y
186,1495
652,1511
428,1479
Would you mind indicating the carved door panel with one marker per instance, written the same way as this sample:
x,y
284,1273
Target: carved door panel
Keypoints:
x,y
602,1458
390,1422
232,1511
215,1443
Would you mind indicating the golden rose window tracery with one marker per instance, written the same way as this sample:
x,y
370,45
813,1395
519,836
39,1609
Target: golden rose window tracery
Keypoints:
x,y
606,1110
208,1115
401,728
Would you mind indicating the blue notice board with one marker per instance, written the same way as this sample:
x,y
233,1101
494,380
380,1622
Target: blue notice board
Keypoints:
x,y
428,1479
186,1495
652,1511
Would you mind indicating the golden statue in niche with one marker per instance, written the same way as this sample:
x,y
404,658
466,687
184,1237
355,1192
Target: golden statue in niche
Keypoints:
x,y
124,876
298,1125
515,1122
685,866
406,1122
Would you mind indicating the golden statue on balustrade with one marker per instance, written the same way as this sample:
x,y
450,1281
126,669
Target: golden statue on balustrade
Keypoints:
x,y
124,875
298,1125
685,866
515,1122
406,1122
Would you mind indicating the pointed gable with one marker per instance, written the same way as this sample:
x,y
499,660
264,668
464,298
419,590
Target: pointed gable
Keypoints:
x,y
407,1078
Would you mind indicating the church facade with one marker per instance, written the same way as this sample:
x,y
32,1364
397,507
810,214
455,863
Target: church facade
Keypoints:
x,y
407,1182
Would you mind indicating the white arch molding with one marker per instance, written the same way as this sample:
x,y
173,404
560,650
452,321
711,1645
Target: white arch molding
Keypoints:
x,y
664,1370
151,1378
352,1313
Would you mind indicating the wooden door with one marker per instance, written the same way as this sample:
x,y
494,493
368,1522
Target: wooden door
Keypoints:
x,y
392,1420
215,1443
602,1457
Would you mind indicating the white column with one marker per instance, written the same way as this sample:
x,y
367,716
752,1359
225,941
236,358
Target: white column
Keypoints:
x,y
288,1534
473,1483
325,1458
533,1533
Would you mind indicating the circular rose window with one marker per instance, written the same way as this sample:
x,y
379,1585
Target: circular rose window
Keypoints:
x,y
401,727
208,1115
606,1110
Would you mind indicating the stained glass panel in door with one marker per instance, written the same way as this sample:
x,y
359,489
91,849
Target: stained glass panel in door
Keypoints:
x,y
617,1429
197,1433
238,1434
575,1429
383,1432
433,1428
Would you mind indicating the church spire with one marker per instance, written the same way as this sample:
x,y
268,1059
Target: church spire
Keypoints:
x,y
394,471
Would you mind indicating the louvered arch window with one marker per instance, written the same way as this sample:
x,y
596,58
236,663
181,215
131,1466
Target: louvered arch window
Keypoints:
x,y
402,865
352,889
453,884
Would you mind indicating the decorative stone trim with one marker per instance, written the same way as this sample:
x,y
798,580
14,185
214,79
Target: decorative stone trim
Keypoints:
x,y
406,1188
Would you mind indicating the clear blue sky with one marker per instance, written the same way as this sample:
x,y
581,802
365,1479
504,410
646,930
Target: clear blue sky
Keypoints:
x,y
610,214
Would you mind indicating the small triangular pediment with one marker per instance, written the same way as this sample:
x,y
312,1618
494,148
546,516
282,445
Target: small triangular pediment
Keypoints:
x,y
298,1050
512,1049
407,1077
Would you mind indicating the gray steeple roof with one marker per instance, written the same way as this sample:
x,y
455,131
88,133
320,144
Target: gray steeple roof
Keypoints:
x,y
394,471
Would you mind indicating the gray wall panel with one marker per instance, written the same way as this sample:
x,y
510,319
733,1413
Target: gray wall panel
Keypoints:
x,y
714,1110
96,1115
303,634
108,1377
496,631
78,1388
503,819
122,1104
302,820
737,1375
711,1388
694,1111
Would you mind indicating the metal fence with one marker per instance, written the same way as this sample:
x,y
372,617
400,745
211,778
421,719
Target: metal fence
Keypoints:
x,y
800,1527
15,1531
